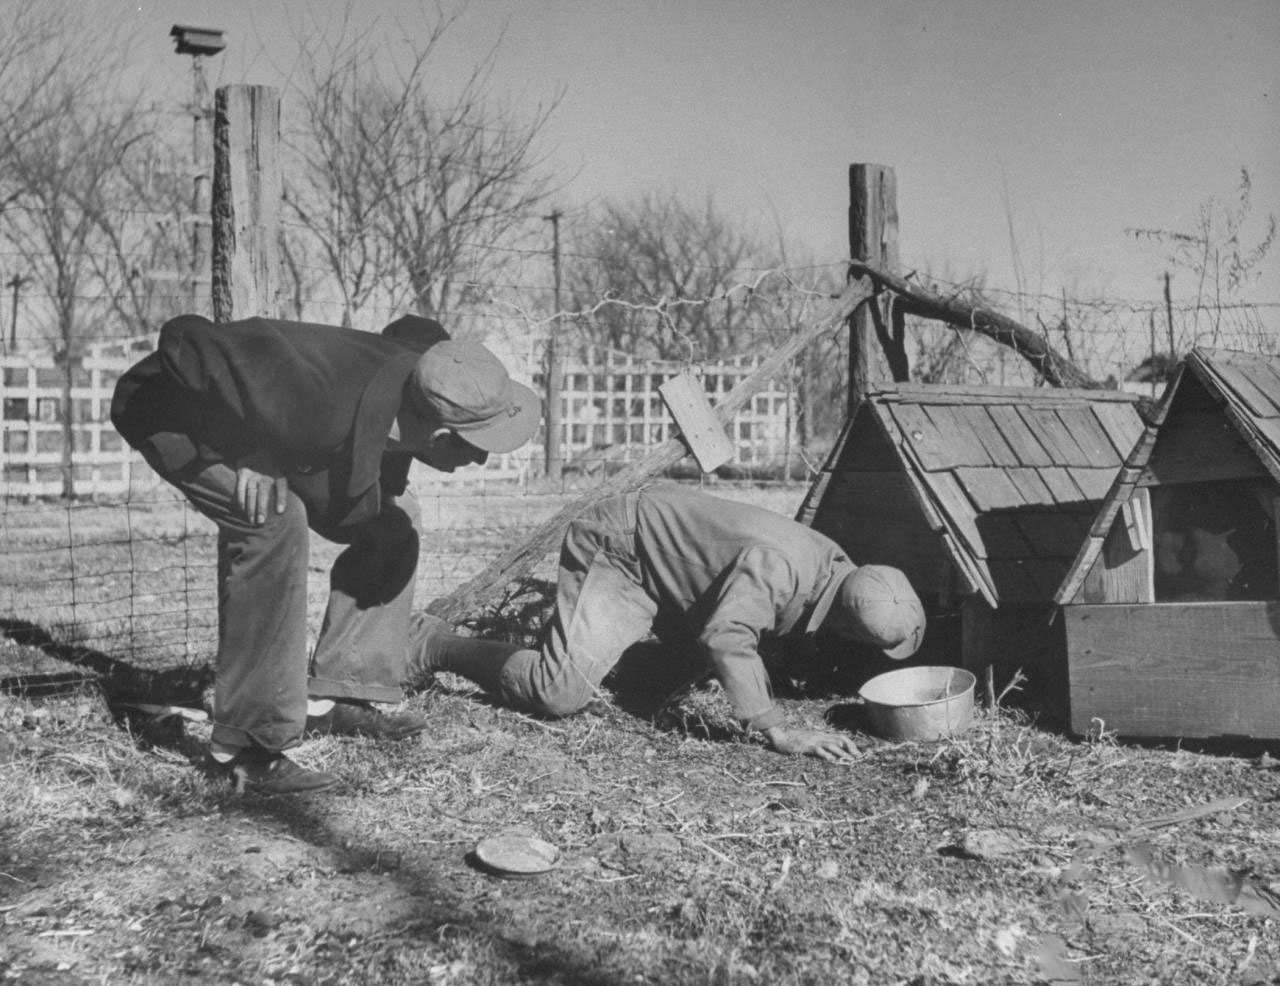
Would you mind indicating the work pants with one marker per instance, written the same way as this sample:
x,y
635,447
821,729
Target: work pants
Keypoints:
x,y
262,678
601,609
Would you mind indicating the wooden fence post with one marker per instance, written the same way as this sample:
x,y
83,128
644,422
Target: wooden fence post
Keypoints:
x,y
873,239
247,189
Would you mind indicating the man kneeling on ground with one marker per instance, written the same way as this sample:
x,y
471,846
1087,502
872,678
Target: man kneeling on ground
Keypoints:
x,y
691,568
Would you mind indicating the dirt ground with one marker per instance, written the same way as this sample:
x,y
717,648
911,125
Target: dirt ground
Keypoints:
x,y
1010,854
690,855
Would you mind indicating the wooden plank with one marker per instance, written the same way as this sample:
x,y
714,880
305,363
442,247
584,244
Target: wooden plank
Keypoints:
x,y
989,488
1122,423
988,394
1120,575
1054,436
1014,430
1136,526
957,508
921,434
1269,430
1263,377
1090,436
1144,565
1237,383
1061,486
1030,485
963,442
978,422
702,431
1094,483
1176,670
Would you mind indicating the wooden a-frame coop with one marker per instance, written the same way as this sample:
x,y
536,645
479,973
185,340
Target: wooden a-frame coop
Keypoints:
x,y
1172,607
982,496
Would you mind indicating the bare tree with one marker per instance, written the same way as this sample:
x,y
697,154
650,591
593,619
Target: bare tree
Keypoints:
x,y
1215,254
30,60
659,260
61,179
402,190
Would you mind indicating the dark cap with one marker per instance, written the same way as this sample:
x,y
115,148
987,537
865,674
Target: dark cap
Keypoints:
x,y
884,609
468,390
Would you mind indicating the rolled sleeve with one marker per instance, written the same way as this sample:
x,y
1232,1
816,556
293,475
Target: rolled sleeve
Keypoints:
x,y
747,606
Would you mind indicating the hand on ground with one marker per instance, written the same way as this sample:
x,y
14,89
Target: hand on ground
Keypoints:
x,y
819,743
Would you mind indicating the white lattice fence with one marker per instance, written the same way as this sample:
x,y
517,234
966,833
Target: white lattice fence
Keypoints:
x,y
610,401
33,423
610,409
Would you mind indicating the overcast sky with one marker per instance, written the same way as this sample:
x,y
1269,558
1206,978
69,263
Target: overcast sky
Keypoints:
x,y
1077,119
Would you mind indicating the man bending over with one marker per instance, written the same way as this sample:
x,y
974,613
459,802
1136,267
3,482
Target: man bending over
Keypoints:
x,y
270,428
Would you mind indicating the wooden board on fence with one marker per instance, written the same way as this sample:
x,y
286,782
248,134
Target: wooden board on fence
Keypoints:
x,y
701,429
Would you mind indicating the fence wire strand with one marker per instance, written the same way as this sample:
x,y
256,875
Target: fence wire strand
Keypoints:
x,y
125,570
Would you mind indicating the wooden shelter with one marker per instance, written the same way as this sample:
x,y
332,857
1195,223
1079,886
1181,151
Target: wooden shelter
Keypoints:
x,y
982,496
1172,608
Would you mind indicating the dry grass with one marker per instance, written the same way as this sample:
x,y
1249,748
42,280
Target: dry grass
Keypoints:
x,y
686,860
692,855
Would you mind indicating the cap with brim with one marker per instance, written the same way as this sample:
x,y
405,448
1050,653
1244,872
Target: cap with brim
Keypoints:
x,y
885,610
464,387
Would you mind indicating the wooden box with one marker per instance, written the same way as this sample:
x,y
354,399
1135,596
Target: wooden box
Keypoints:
x,y
1202,669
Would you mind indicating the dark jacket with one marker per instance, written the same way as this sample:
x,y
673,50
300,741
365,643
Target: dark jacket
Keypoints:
x,y
320,400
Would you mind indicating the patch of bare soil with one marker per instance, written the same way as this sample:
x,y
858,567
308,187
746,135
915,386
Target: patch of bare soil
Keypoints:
x,y
691,854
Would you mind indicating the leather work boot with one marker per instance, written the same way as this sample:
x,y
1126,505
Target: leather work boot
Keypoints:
x,y
266,772
362,719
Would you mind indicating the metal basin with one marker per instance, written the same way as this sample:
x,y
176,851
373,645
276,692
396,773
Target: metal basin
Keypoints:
x,y
924,703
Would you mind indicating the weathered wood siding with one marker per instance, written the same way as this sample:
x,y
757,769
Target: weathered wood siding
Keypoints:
x,y
1176,669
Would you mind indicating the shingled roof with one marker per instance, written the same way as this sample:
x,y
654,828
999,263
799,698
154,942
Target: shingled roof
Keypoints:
x,y
1247,387
1008,478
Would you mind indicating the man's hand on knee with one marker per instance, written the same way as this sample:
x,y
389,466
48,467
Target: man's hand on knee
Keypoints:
x,y
260,487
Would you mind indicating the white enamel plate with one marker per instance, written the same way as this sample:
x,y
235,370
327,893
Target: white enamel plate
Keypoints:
x,y
516,855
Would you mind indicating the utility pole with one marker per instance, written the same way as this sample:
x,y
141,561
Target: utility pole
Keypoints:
x,y
199,42
553,461
1168,313
15,284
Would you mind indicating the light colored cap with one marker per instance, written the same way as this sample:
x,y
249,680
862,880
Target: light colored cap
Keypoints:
x,y
468,390
884,610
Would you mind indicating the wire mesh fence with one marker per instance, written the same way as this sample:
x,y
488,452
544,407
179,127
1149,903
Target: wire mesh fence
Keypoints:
x,y
124,570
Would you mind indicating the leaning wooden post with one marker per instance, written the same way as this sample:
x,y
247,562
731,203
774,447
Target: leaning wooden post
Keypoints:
x,y
247,188
486,590
873,240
